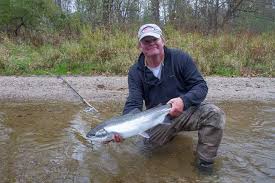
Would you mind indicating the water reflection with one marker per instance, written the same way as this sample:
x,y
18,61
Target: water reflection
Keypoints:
x,y
249,143
46,143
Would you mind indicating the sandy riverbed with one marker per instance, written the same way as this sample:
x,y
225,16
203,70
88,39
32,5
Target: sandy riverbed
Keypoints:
x,y
101,88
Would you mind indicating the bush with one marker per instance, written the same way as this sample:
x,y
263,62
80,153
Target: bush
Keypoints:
x,y
102,51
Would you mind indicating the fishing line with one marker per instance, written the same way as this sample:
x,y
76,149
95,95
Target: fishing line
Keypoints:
x,y
90,108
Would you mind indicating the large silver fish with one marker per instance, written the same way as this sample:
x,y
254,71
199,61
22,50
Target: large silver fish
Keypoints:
x,y
130,124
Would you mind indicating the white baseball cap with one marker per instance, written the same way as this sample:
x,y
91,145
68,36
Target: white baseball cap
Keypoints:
x,y
149,30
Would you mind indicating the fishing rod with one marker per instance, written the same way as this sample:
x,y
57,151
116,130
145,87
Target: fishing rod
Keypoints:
x,y
91,108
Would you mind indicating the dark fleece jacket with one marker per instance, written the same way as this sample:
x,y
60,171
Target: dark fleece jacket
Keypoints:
x,y
179,78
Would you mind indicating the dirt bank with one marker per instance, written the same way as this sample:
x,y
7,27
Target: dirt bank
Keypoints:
x,y
100,88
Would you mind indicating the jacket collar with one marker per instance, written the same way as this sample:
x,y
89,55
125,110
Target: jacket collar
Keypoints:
x,y
148,76
141,58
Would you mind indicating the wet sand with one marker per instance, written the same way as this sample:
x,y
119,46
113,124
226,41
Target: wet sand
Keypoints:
x,y
102,88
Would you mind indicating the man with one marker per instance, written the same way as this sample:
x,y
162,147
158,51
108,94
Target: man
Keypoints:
x,y
164,75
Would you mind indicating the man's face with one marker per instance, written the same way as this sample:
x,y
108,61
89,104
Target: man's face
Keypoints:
x,y
151,46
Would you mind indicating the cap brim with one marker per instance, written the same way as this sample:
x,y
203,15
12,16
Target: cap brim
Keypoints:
x,y
149,34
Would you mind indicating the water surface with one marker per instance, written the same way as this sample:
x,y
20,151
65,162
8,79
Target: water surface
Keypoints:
x,y
45,142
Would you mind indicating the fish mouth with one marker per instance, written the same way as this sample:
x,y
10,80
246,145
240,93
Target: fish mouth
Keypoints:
x,y
105,139
99,135
90,134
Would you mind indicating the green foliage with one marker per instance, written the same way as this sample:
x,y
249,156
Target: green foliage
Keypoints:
x,y
29,14
39,37
102,51
255,23
230,55
5,10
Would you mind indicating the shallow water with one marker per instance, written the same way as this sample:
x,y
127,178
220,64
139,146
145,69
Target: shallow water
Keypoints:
x,y
42,142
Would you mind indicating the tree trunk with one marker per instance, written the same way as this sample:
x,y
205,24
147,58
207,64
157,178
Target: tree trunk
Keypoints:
x,y
215,16
59,3
233,5
107,9
155,10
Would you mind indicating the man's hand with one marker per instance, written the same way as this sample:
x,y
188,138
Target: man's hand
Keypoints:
x,y
116,138
177,107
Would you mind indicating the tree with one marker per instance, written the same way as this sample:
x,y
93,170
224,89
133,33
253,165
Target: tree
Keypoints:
x,y
208,16
256,15
5,11
59,3
30,14
155,10
107,11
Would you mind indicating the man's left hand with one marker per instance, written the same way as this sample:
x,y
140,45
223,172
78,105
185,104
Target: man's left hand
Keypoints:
x,y
177,107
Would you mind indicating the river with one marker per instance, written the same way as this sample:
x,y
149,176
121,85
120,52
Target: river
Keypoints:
x,y
45,142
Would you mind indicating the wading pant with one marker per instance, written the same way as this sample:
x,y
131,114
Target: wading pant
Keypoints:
x,y
207,119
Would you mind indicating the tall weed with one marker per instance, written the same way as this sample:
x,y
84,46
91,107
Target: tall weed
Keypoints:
x,y
231,55
103,51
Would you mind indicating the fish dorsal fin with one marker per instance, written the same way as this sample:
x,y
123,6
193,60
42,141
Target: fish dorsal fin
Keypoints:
x,y
145,135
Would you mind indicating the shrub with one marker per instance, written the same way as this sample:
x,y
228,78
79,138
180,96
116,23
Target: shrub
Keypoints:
x,y
102,51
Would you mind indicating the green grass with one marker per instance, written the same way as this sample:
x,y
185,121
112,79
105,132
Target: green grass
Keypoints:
x,y
226,71
113,52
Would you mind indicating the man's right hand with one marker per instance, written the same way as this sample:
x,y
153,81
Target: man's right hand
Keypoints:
x,y
117,138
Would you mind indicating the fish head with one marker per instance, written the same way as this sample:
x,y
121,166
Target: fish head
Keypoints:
x,y
100,135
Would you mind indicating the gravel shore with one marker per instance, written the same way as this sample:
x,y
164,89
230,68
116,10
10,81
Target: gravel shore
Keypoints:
x,y
101,88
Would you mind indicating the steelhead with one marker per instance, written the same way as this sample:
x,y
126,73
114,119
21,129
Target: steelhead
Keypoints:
x,y
130,124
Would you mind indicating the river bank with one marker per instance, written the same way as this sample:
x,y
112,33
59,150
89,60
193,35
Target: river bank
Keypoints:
x,y
103,88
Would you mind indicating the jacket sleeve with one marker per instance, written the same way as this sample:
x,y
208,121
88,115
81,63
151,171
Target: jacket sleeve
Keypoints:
x,y
194,83
134,100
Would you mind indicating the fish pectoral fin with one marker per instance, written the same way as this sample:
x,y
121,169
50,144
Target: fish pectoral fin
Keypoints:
x,y
167,120
145,135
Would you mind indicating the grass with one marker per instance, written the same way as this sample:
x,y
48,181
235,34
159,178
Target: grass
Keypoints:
x,y
113,52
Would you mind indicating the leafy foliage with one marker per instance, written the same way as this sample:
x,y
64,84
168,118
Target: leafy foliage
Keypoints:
x,y
99,37
32,15
113,52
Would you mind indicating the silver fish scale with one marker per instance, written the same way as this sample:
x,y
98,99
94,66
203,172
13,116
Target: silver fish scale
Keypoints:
x,y
131,124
